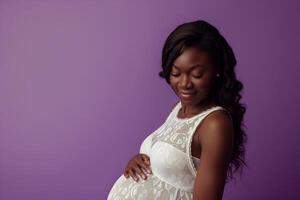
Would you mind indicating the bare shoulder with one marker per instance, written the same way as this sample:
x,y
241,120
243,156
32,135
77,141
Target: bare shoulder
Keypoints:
x,y
216,130
218,119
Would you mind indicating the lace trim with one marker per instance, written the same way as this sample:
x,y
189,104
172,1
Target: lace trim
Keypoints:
x,y
186,189
189,118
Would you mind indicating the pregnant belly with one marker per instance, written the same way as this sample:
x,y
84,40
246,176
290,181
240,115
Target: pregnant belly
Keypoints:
x,y
149,189
127,188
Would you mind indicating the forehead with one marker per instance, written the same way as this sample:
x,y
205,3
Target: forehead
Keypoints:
x,y
192,58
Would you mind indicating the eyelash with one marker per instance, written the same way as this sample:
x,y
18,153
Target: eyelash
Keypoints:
x,y
176,75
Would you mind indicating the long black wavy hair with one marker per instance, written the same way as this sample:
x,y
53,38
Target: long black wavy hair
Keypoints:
x,y
227,88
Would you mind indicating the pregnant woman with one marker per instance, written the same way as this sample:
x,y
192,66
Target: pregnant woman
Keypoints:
x,y
194,153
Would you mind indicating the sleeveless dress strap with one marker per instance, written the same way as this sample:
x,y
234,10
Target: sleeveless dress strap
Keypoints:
x,y
190,137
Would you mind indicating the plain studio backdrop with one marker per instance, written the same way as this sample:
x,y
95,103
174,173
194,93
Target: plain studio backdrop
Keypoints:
x,y
80,91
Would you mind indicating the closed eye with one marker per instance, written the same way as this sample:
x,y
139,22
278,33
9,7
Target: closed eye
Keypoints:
x,y
199,76
196,76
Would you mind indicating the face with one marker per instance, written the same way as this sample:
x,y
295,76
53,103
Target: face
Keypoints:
x,y
192,73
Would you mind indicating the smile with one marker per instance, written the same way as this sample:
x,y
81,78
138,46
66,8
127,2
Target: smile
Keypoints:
x,y
185,95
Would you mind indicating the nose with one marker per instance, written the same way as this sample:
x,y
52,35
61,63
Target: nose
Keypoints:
x,y
184,82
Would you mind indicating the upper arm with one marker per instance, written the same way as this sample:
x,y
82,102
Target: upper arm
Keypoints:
x,y
216,139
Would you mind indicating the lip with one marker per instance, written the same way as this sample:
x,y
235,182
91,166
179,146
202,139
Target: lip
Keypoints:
x,y
185,95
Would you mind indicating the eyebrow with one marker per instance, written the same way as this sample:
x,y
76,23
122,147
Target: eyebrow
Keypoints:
x,y
194,66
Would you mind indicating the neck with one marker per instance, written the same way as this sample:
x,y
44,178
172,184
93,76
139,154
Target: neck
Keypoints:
x,y
196,108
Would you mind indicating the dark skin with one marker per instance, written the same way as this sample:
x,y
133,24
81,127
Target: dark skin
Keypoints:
x,y
193,72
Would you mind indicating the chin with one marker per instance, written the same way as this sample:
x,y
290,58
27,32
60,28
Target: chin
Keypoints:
x,y
186,101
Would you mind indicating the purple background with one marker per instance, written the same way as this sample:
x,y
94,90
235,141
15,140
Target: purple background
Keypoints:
x,y
80,91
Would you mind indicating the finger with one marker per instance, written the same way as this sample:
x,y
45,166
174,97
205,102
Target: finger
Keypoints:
x,y
145,172
146,159
133,176
145,167
144,156
140,172
126,174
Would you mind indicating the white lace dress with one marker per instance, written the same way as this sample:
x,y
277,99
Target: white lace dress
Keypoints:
x,y
173,166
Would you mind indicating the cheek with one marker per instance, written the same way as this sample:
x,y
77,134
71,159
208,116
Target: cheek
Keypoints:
x,y
172,85
204,85
172,82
